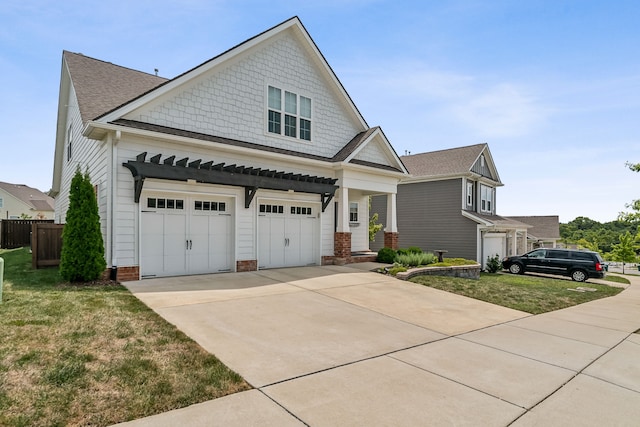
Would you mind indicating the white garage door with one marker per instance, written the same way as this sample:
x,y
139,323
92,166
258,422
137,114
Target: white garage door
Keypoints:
x,y
493,244
288,234
186,235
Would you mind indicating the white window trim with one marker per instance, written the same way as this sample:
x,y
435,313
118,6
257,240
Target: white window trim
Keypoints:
x,y
357,212
283,90
484,206
469,193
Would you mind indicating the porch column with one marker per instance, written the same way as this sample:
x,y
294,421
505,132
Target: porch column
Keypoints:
x,y
342,236
343,210
391,229
514,243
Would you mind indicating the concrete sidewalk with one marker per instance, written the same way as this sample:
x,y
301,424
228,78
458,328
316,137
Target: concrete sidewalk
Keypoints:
x,y
343,346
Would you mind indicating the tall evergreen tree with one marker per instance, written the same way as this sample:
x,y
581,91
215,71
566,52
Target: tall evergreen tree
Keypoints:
x,y
82,257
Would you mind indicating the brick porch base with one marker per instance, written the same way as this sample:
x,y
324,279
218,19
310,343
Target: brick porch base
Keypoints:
x,y
391,240
247,265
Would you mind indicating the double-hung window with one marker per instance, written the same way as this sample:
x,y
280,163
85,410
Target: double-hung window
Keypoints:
x,y
296,111
469,193
486,198
353,212
275,107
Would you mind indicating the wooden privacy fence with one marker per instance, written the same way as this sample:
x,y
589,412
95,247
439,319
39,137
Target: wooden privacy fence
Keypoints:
x,y
16,233
46,244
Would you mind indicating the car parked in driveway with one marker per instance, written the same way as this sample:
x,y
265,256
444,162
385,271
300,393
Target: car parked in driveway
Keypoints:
x,y
577,264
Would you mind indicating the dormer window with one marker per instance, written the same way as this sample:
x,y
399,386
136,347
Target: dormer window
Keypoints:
x,y
297,114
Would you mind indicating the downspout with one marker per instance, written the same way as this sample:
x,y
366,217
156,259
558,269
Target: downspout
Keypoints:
x,y
112,199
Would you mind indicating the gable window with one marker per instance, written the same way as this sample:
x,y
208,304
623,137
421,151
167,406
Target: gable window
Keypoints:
x,y
69,141
353,212
469,193
486,198
297,114
1,202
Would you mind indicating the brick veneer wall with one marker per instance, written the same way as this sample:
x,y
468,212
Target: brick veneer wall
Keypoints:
x,y
342,245
247,265
327,260
125,274
391,240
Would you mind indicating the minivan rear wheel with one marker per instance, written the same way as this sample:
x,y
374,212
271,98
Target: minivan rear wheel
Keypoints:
x,y
516,268
579,275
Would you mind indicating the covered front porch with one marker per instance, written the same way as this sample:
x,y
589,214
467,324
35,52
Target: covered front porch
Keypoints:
x,y
499,236
351,237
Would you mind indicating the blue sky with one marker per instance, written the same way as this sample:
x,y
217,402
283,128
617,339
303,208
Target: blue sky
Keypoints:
x,y
552,86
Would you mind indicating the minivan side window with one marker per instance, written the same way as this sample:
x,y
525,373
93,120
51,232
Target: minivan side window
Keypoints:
x,y
539,253
582,255
558,254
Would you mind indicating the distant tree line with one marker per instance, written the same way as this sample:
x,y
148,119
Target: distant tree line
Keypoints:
x,y
593,235
617,240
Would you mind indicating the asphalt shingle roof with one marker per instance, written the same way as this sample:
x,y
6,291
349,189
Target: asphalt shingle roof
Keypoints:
x,y
453,161
30,196
542,226
101,86
502,221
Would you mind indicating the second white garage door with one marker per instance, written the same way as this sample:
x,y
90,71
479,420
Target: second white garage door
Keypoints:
x,y
288,234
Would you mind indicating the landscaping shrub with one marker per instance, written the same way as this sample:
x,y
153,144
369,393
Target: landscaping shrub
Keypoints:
x,y
397,268
416,259
386,255
409,250
493,263
82,257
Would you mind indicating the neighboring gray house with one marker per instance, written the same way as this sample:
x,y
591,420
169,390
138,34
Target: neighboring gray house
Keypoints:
x,y
544,231
449,203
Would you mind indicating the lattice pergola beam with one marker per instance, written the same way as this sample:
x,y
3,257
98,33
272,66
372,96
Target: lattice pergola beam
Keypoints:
x,y
209,172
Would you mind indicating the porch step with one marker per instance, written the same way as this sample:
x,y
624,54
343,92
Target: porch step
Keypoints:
x,y
363,257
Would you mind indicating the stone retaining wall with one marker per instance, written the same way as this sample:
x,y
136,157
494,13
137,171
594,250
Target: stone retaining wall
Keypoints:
x,y
465,271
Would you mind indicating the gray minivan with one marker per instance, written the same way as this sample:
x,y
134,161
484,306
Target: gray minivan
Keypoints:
x,y
579,265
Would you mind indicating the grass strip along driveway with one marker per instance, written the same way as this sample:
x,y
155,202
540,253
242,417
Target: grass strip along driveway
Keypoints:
x,y
531,294
92,354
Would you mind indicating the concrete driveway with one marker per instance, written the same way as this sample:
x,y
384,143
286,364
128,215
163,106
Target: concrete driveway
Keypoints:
x,y
340,345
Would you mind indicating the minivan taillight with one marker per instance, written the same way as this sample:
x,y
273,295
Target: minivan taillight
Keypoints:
x,y
598,266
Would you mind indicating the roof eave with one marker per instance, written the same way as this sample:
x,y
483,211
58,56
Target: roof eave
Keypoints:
x,y
63,109
94,128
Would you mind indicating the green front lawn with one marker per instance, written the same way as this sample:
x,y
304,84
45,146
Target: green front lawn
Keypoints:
x,y
93,354
530,294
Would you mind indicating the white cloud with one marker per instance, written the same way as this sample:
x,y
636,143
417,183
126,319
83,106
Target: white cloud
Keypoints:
x,y
485,108
504,110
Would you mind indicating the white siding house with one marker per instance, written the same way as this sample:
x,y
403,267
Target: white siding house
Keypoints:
x,y
254,159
